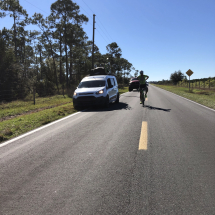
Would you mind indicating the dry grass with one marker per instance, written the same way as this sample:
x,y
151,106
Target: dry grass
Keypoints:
x,y
204,97
19,117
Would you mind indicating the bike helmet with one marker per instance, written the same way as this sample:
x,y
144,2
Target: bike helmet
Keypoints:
x,y
141,72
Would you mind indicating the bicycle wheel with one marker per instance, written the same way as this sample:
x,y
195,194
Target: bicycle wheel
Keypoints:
x,y
143,97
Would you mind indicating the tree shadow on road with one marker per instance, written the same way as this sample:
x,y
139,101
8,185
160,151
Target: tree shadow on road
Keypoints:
x,y
156,108
132,96
129,95
112,107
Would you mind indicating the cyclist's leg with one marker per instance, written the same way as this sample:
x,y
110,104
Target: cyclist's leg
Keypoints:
x,y
140,94
145,90
141,91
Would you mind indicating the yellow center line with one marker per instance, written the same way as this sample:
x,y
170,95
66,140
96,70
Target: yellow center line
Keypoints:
x,y
143,137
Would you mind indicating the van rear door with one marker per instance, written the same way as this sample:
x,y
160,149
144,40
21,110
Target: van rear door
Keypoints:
x,y
114,88
110,89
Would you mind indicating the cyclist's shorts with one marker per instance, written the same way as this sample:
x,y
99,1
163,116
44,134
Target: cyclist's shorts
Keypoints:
x,y
142,86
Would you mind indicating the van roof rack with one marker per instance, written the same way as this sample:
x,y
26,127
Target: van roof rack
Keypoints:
x,y
99,71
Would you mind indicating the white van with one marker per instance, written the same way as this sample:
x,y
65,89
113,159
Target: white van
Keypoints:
x,y
96,90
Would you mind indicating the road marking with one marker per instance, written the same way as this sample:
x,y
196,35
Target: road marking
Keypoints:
x,y
38,129
143,137
186,99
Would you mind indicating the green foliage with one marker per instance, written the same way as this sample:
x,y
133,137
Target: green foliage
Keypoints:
x,y
12,6
113,50
19,107
123,89
176,77
44,88
203,97
54,59
21,124
199,83
8,73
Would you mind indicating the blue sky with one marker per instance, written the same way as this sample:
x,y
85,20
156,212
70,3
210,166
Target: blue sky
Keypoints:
x,y
156,36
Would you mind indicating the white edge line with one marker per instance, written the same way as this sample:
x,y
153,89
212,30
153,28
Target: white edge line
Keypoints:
x,y
123,93
38,129
186,99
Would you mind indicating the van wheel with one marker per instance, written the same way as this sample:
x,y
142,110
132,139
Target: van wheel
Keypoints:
x,y
117,99
106,104
76,107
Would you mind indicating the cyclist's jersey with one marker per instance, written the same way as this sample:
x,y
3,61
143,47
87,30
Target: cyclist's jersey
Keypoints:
x,y
142,79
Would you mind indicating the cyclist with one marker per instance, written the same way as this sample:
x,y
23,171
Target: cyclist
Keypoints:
x,y
142,78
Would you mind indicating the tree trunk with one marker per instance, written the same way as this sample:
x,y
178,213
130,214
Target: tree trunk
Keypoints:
x,y
67,75
24,60
37,69
14,17
20,57
70,66
41,77
55,73
55,70
60,59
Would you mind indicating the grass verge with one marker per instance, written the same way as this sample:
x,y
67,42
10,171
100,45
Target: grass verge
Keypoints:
x,y
19,117
123,90
22,124
204,97
19,107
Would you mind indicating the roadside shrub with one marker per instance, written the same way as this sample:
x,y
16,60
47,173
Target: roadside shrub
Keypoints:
x,y
8,132
30,97
2,138
70,91
45,88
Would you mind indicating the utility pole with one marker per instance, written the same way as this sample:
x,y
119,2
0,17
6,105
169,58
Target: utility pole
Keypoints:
x,y
93,41
15,34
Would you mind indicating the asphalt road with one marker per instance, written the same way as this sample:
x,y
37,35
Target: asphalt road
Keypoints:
x,y
92,162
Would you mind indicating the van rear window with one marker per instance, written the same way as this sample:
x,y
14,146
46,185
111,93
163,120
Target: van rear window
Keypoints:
x,y
91,84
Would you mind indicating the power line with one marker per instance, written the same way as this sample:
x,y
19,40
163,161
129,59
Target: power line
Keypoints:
x,y
103,31
85,11
102,36
88,21
106,30
88,6
36,6
100,22
91,23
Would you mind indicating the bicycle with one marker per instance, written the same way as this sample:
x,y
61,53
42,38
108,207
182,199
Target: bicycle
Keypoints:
x,y
143,92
